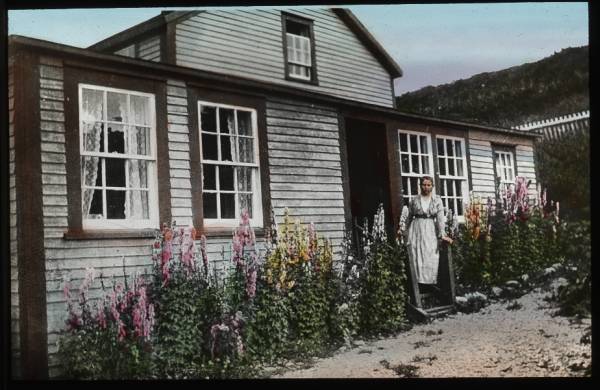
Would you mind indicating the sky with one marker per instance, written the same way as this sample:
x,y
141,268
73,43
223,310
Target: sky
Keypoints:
x,y
433,43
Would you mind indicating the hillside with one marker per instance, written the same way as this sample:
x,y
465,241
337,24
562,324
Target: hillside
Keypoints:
x,y
555,85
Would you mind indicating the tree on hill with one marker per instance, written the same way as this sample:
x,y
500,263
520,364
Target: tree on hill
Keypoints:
x,y
556,85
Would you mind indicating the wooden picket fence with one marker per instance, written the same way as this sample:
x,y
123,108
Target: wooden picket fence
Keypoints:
x,y
555,128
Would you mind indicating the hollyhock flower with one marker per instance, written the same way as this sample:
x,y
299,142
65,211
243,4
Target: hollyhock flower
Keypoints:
x,y
90,275
101,317
251,283
188,251
203,251
122,332
73,321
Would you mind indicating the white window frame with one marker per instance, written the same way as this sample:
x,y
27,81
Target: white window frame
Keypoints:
x,y
120,224
257,218
292,64
500,161
464,178
409,152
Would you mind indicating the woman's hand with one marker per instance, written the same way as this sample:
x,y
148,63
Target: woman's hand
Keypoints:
x,y
447,239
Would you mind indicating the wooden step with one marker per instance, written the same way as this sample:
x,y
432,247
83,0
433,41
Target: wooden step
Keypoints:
x,y
439,310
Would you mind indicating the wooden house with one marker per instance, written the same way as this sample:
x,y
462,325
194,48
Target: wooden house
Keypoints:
x,y
192,116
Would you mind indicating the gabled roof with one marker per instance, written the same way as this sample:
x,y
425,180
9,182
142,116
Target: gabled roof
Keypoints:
x,y
153,24
369,41
165,70
157,22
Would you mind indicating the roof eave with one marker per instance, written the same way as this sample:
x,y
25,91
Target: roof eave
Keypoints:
x,y
142,28
170,70
369,41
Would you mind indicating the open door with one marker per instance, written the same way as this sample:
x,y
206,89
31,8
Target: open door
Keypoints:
x,y
368,171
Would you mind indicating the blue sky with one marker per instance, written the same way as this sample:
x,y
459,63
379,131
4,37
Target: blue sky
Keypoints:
x,y
433,43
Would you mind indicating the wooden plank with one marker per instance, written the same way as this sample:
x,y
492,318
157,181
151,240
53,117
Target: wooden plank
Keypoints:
x,y
283,203
325,212
305,155
306,186
301,141
51,84
291,106
80,258
293,131
295,115
54,169
302,179
304,171
322,195
285,162
179,146
299,124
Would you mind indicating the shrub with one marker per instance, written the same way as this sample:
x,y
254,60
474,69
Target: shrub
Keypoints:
x,y
382,279
186,304
575,297
299,275
502,243
111,339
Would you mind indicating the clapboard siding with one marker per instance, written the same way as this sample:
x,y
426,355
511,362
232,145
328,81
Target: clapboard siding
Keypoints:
x,y
220,41
150,49
482,166
306,177
526,167
179,153
54,188
13,223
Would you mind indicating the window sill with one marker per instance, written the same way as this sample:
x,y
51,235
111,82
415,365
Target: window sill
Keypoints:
x,y
227,232
109,234
301,81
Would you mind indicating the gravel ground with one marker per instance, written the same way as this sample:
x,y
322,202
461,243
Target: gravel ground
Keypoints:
x,y
503,339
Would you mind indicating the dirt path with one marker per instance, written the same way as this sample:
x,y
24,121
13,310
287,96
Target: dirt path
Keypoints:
x,y
495,342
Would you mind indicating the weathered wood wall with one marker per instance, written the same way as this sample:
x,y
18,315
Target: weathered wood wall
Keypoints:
x,y
482,160
248,43
147,49
305,166
13,225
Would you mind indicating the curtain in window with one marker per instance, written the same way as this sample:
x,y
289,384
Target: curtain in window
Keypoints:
x,y
91,133
137,206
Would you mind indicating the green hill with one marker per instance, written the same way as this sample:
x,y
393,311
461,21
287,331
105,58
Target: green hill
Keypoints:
x,y
555,85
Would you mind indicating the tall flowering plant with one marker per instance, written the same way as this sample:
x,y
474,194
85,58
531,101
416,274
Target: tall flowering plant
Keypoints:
x,y
296,247
108,337
244,255
381,298
186,301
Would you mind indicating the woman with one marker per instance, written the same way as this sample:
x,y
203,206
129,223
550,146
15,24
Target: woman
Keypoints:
x,y
426,229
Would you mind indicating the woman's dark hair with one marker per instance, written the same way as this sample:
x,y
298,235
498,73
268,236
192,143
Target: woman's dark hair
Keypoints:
x,y
427,178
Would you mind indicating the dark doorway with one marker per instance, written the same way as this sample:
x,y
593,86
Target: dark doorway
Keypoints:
x,y
368,171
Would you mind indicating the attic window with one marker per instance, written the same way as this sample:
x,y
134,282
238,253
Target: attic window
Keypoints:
x,y
299,49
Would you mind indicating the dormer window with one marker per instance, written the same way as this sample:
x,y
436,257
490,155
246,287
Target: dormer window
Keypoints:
x,y
299,49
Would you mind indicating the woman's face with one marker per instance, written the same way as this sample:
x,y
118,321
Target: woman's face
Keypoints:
x,y
426,186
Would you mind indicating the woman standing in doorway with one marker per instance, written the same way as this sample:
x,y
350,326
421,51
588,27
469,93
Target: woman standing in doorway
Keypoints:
x,y
426,230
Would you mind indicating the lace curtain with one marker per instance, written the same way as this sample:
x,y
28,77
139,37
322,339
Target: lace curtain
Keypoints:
x,y
91,135
137,206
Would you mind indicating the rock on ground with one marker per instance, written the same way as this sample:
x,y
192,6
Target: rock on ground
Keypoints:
x,y
524,340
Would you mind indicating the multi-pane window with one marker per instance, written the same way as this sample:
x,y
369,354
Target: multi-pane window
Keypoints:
x,y
230,165
118,158
298,48
452,164
505,167
416,160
